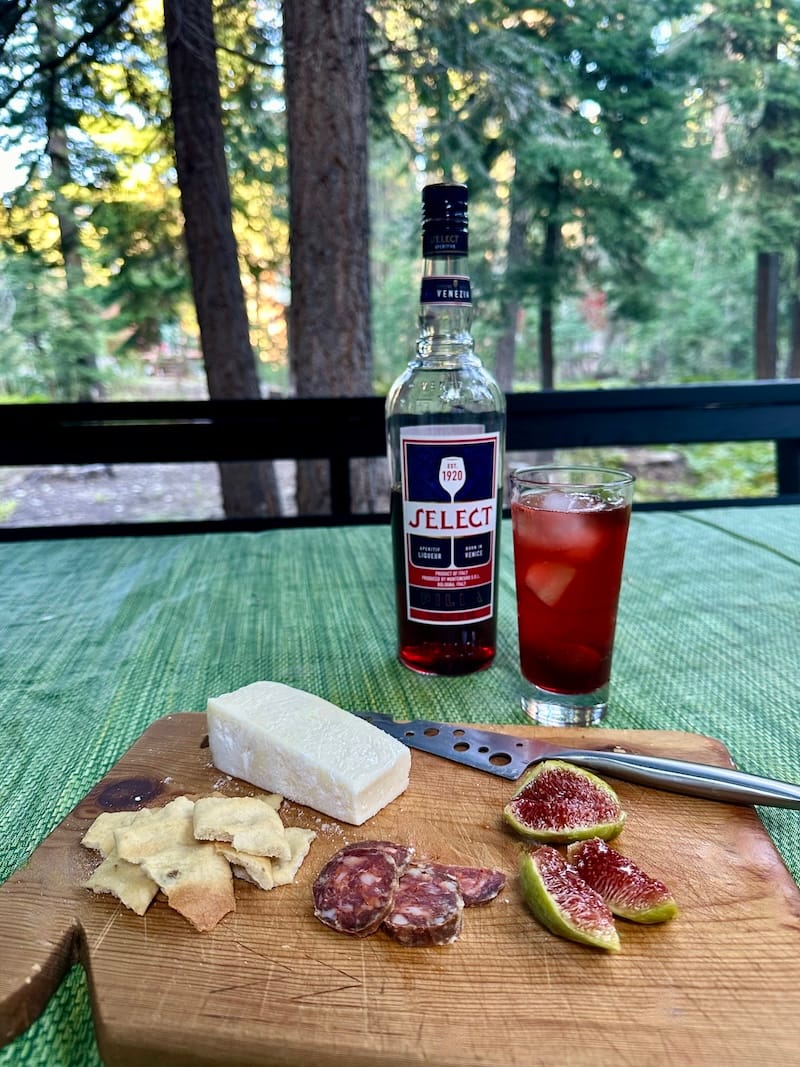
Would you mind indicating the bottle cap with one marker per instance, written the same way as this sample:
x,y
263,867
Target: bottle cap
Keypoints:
x,y
444,220
443,201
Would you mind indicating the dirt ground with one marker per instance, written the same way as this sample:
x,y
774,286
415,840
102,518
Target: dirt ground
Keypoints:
x,y
58,496
49,496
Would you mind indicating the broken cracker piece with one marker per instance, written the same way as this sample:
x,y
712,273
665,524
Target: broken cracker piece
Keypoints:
x,y
250,824
100,835
126,881
263,871
197,882
249,868
285,871
155,829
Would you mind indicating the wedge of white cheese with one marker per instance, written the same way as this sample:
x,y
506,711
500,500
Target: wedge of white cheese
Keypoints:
x,y
287,741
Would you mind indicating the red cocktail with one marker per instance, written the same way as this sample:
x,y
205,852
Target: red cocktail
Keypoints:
x,y
570,528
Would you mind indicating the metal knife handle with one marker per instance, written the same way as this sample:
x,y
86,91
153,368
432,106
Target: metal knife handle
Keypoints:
x,y
693,779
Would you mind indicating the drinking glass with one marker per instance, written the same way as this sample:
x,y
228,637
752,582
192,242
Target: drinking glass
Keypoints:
x,y
570,526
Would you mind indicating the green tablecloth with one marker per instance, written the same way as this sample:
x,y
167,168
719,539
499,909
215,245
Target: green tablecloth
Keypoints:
x,y
103,636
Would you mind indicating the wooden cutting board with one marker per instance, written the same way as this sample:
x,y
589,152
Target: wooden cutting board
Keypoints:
x,y
272,986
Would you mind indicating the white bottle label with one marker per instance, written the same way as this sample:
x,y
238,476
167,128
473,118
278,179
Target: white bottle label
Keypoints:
x,y
450,487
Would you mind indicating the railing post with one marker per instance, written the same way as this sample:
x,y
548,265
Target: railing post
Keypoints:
x,y
787,463
340,485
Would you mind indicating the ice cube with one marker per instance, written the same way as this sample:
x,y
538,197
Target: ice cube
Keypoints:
x,y
548,581
555,500
561,523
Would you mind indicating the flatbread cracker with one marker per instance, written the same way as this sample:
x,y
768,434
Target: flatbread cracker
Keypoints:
x,y
192,850
255,869
197,882
250,824
265,872
155,829
126,881
285,871
100,835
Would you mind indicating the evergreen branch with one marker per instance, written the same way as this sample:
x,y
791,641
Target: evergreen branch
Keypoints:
x,y
113,14
12,13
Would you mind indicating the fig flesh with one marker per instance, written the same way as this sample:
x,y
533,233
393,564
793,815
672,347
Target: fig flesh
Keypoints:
x,y
625,887
563,903
558,802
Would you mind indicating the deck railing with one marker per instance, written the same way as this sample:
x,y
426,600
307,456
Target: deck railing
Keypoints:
x,y
340,429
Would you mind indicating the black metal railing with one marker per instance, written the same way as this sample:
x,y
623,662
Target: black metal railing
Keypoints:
x,y
341,429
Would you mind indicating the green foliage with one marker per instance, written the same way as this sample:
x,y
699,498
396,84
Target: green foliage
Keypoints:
x,y
722,471
751,66
7,509
740,468
642,152
572,119
395,257
142,258
48,331
55,76
700,321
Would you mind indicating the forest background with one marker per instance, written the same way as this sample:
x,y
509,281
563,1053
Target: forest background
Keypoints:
x,y
223,199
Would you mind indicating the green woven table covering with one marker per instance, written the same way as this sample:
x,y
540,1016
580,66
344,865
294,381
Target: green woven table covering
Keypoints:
x,y
101,637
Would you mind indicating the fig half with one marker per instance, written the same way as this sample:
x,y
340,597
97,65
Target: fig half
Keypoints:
x,y
558,803
563,903
625,887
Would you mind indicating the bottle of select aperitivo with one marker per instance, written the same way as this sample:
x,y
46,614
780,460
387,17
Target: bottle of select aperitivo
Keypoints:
x,y
446,431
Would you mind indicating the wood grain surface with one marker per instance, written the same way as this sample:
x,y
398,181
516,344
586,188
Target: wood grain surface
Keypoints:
x,y
272,986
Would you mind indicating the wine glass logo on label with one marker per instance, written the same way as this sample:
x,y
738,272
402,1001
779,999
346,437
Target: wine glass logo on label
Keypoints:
x,y
452,475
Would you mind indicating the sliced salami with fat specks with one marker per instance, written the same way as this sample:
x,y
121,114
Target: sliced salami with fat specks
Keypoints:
x,y
401,854
428,908
355,890
477,885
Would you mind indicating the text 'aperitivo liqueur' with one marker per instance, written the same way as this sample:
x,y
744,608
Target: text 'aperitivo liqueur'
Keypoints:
x,y
446,428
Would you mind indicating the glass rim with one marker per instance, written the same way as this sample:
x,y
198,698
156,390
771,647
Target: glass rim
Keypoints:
x,y
525,475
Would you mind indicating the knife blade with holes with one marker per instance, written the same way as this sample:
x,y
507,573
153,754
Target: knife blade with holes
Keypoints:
x,y
508,756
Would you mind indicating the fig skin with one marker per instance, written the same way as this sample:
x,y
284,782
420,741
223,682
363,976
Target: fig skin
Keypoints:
x,y
629,891
563,903
572,805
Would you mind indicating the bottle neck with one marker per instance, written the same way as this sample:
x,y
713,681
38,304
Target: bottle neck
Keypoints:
x,y
445,318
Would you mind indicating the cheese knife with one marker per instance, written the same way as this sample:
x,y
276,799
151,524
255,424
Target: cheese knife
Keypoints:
x,y
508,756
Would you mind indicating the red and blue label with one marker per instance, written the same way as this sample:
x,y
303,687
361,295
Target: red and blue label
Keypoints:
x,y
450,490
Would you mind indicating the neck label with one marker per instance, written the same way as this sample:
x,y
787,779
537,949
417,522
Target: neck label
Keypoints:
x,y
449,289
442,240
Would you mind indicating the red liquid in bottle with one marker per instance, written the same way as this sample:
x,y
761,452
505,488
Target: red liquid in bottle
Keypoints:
x,y
437,649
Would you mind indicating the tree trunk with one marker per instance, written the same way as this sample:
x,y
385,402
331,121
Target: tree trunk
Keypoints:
x,y
248,489
768,262
546,356
516,252
793,365
327,103
78,373
552,242
767,268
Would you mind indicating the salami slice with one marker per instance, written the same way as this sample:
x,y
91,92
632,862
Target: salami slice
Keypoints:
x,y
355,890
401,854
427,909
477,885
